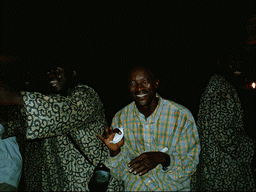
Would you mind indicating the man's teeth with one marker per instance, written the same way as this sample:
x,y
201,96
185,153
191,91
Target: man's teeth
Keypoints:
x,y
54,83
141,95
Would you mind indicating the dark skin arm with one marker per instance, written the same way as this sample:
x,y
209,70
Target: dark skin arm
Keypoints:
x,y
147,161
9,96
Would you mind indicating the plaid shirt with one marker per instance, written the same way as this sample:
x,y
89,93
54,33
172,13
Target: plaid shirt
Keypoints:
x,y
170,125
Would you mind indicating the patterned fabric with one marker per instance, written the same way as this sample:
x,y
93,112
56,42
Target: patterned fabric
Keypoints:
x,y
170,125
226,152
59,132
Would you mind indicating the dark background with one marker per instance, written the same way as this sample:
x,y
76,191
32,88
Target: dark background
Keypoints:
x,y
181,40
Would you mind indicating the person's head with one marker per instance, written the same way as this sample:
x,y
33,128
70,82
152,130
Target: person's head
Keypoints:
x,y
234,66
60,78
142,86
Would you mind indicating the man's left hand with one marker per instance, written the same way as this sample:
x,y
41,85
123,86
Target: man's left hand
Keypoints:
x,y
146,161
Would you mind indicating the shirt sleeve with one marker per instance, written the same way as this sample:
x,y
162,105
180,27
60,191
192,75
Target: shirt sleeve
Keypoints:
x,y
54,115
185,156
87,141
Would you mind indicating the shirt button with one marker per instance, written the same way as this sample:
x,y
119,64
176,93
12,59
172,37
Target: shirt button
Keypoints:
x,y
148,181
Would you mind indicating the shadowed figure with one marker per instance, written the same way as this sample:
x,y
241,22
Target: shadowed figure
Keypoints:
x,y
226,150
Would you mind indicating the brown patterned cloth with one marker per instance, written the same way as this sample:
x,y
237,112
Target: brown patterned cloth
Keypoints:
x,y
226,151
59,131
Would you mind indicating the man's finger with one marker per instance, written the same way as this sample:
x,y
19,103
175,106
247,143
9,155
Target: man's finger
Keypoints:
x,y
101,138
117,131
143,172
107,132
137,159
140,169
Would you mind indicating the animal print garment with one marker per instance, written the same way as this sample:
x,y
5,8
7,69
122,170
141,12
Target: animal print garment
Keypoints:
x,y
226,151
59,131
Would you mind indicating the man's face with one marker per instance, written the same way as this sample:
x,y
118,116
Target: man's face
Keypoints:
x,y
56,79
142,87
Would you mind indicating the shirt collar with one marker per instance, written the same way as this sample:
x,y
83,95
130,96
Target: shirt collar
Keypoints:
x,y
154,116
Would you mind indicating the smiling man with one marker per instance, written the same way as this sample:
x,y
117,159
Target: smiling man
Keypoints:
x,y
160,148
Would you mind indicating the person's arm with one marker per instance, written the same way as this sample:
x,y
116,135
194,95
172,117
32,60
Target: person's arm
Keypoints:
x,y
48,116
87,141
185,156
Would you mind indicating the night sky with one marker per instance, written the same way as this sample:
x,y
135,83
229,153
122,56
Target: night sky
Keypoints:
x,y
102,40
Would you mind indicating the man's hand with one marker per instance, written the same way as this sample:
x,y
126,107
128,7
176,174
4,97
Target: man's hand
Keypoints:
x,y
8,96
147,161
110,133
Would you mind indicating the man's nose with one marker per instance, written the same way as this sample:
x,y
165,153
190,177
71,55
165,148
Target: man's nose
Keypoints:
x,y
52,76
139,87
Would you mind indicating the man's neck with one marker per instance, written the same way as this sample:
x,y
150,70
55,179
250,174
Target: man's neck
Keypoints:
x,y
149,109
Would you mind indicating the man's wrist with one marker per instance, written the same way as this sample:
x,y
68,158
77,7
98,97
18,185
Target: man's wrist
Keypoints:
x,y
166,160
114,153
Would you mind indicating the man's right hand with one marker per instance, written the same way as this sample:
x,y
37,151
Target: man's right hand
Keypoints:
x,y
110,133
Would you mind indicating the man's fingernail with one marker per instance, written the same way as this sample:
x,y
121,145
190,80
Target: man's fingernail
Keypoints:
x,y
129,165
135,172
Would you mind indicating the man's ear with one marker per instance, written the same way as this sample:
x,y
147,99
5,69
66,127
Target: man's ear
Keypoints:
x,y
157,83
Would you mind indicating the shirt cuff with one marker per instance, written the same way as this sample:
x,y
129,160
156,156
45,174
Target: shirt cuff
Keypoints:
x,y
172,164
113,161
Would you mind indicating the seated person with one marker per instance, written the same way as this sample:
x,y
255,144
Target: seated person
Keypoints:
x,y
160,148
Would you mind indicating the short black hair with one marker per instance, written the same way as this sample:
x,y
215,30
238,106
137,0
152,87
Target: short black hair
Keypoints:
x,y
148,69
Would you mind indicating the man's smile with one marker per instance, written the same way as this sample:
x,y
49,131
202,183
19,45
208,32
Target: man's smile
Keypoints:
x,y
54,83
141,95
